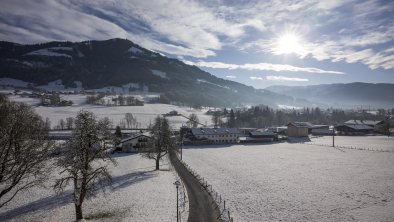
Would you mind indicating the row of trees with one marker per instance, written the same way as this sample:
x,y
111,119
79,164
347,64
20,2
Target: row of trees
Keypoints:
x,y
116,101
129,121
263,116
25,151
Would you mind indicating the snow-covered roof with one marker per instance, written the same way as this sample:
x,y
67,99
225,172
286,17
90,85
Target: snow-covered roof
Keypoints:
x,y
135,137
213,131
362,122
302,125
357,126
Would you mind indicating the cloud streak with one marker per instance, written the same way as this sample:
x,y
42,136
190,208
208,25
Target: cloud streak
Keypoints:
x,y
284,78
262,66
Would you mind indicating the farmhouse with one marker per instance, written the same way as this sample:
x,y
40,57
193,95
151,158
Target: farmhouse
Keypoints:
x,y
299,129
377,126
136,143
216,135
258,137
354,129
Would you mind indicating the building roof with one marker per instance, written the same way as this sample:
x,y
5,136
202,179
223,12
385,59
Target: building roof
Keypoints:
x,y
135,137
302,125
362,122
266,133
357,126
214,131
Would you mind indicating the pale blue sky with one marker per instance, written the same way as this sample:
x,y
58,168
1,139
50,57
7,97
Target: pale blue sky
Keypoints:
x,y
259,43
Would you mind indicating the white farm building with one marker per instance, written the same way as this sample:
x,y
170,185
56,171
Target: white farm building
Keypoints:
x,y
216,135
134,144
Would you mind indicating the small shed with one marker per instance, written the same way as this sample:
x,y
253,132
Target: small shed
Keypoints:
x,y
321,130
298,129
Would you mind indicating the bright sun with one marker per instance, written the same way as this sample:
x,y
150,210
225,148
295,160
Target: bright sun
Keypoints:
x,y
289,43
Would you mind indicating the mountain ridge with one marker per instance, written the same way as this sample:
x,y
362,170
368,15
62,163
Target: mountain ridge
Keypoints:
x,y
116,62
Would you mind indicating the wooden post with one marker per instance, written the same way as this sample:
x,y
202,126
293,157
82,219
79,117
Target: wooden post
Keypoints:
x,y
224,203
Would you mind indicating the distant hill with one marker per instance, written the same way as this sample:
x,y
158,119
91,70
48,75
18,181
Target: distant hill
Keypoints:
x,y
119,62
350,95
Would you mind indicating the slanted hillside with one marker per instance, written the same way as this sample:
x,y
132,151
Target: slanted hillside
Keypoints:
x,y
117,62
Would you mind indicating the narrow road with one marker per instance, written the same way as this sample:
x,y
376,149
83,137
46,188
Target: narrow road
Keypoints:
x,y
200,207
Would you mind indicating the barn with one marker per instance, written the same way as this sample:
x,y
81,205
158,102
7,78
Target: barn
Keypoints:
x,y
298,129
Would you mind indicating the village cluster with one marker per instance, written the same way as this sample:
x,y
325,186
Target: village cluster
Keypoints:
x,y
204,135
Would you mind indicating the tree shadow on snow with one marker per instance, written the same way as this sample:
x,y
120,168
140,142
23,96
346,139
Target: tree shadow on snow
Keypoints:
x,y
55,201
123,181
45,204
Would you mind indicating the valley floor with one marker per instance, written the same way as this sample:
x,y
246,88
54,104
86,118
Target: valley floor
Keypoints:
x,y
299,182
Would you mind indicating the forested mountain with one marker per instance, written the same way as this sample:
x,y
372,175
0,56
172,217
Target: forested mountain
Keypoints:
x,y
348,95
117,62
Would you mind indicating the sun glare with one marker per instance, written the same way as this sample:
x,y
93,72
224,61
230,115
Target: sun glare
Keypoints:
x,y
289,43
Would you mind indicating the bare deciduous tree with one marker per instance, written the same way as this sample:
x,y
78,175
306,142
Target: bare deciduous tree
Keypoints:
x,y
24,149
62,124
86,147
161,142
217,119
193,120
129,119
69,123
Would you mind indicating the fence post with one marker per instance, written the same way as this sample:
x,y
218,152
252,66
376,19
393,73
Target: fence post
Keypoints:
x,y
229,214
224,203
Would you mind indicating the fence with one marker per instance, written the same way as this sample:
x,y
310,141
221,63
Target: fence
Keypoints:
x,y
350,147
218,201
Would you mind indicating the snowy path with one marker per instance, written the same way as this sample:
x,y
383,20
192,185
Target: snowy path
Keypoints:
x,y
200,207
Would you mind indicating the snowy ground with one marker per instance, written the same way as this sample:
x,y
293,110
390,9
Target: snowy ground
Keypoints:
x,y
298,182
368,142
144,114
138,194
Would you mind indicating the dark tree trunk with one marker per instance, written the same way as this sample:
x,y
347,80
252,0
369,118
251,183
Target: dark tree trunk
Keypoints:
x,y
78,212
157,164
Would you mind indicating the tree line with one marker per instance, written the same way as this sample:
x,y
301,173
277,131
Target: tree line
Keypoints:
x,y
263,116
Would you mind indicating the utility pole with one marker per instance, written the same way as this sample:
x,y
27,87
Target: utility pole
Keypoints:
x,y
177,183
333,135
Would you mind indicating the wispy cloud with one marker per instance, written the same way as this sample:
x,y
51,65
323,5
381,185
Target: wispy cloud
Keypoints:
x,y
256,78
284,78
262,66
231,77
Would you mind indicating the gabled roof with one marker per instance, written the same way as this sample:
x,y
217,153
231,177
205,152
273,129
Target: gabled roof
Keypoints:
x,y
362,122
215,131
358,126
302,125
135,137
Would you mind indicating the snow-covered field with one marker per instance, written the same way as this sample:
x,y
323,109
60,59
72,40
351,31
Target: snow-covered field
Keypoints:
x,y
138,194
366,142
144,114
298,182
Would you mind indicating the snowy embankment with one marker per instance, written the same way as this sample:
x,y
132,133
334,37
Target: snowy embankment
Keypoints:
x,y
298,182
384,143
138,193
